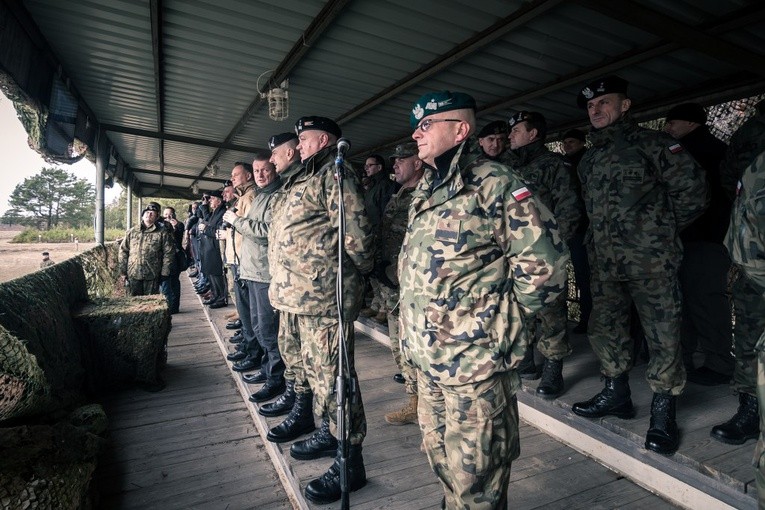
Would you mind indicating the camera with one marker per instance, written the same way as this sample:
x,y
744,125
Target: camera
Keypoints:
x,y
224,224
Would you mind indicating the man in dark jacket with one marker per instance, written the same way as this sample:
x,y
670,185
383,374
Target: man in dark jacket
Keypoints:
x,y
212,262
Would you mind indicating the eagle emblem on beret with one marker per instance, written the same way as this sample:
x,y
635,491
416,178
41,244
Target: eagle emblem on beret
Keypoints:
x,y
417,111
587,93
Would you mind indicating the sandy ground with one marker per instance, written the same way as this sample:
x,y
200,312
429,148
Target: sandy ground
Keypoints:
x,y
19,259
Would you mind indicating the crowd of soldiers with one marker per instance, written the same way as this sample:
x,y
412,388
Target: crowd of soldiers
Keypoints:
x,y
465,251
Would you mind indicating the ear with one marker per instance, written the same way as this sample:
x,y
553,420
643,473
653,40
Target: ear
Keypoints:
x,y
417,164
463,131
626,103
534,133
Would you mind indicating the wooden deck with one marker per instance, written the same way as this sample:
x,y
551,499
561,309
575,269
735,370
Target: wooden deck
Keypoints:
x,y
197,443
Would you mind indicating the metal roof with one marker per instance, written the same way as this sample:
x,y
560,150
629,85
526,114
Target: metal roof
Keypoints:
x,y
174,83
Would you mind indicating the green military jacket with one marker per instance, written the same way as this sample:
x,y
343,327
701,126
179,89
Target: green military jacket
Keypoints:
x,y
254,228
304,246
547,175
147,253
481,252
640,189
746,144
393,230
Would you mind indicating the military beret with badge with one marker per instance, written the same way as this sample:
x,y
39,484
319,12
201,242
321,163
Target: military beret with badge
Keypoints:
x,y
276,140
519,117
498,127
601,87
404,150
318,124
690,112
437,102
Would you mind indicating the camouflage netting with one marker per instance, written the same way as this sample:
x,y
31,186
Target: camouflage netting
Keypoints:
x,y
101,267
23,388
50,466
128,340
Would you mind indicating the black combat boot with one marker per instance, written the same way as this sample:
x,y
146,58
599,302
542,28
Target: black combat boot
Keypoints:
x,y
527,369
744,425
551,384
282,405
321,444
326,488
663,436
613,400
297,423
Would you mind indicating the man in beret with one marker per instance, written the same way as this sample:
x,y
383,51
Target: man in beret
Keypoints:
x,y
481,254
303,287
707,323
146,254
212,259
641,188
545,172
492,139
297,395
408,169
46,261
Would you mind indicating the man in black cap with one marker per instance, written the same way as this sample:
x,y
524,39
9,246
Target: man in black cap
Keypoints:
x,y
304,279
492,139
212,259
46,261
573,143
545,172
707,323
641,188
146,254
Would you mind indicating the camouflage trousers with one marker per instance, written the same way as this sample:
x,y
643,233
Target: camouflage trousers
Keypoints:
x,y
142,287
659,303
378,295
320,349
749,306
759,451
470,435
289,347
406,370
547,329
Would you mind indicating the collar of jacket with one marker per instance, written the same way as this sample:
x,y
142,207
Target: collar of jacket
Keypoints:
x,y
241,190
449,166
289,173
522,156
609,133
319,160
271,186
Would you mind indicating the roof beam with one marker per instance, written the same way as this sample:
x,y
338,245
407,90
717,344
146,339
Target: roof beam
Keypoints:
x,y
632,13
499,29
178,138
315,30
176,175
159,74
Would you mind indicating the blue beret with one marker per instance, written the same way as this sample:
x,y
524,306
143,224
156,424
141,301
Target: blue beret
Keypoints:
x,y
317,123
437,102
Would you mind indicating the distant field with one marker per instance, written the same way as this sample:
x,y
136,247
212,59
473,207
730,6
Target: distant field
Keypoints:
x,y
19,259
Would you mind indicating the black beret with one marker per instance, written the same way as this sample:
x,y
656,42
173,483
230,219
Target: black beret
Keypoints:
x,y
519,117
154,206
601,87
437,102
216,193
45,253
692,112
276,140
498,127
575,133
317,123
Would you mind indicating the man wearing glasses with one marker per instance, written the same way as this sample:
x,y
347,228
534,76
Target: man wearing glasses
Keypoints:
x,y
481,255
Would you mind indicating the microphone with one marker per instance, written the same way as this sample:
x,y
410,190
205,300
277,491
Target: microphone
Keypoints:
x,y
343,146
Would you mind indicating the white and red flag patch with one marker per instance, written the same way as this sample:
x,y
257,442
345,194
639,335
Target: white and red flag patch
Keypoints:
x,y
521,193
675,148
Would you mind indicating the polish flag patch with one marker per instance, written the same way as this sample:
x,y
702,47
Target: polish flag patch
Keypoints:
x,y
675,148
521,193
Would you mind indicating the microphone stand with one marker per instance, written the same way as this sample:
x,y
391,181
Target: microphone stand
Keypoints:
x,y
343,385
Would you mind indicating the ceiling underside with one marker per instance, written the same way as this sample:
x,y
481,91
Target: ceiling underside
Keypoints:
x,y
175,83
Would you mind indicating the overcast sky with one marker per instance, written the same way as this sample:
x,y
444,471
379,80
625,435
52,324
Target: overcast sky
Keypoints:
x,y
18,161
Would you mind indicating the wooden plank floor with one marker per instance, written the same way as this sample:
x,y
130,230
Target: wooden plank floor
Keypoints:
x,y
196,443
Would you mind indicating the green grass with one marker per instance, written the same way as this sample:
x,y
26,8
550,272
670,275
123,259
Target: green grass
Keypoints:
x,y
65,235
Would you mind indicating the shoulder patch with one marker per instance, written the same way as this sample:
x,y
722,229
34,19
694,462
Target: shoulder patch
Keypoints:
x,y
675,148
521,193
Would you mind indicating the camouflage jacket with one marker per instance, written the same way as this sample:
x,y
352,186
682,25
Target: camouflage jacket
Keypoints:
x,y
254,227
392,231
304,245
381,188
480,253
745,144
147,253
548,176
746,236
640,189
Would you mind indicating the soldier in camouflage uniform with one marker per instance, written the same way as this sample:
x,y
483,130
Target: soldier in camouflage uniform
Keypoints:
x,y
408,169
746,244
303,284
749,305
545,172
492,139
640,190
146,254
481,254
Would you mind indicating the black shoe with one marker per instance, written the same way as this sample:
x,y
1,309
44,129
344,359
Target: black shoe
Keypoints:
x,y
208,302
220,303
527,368
237,339
236,355
203,289
399,378
613,400
551,384
234,325
707,377
256,378
281,405
268,391
663,436
326,488
744,425
297,423
321,444
247,364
